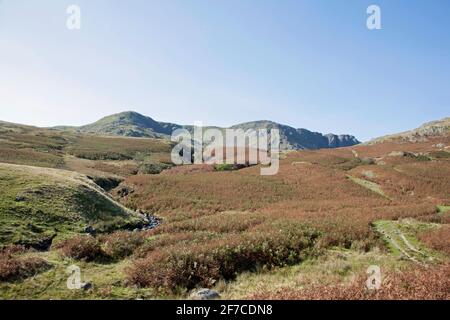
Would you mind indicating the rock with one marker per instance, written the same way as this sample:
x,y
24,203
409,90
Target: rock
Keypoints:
x,y
90,230
86,285
396,154
20,198
296,163
205,294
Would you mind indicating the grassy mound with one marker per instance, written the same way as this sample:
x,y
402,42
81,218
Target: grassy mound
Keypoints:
x,y
38,205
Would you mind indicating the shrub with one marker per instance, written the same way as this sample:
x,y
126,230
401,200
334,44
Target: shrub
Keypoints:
x,y
121,244
437,239
14,267
229,167
224,167
168,239
188,266
367,161
11,250
153,168
85,248
93,155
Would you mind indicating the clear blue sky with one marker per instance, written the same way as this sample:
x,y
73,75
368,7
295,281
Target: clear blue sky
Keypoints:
x,y
310,64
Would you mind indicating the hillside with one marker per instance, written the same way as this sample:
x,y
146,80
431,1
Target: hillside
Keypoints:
x,y
38,205
112,157
136,125
308,232
131,124
439,128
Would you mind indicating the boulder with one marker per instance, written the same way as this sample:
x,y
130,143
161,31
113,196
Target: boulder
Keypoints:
x,y
90,230
86,285
205,294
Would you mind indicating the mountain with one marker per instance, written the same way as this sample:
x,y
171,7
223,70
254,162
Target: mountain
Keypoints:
x,y
131,124
134,124
431,129
292,138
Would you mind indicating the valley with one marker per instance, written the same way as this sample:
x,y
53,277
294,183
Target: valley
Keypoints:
x,y
69,197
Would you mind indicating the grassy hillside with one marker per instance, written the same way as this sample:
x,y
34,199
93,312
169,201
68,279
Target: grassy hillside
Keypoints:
x,y
98,156
38,205
131,124
30,145
308,232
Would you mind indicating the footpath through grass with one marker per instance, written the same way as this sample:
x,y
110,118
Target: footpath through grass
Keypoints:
x,y
400,237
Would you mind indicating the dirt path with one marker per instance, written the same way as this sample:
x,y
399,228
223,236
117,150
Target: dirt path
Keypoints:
x,y
399,242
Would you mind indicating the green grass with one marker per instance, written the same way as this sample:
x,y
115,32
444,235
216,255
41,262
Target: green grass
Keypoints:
x,y
107,280
443,209
39,204
401,239
225,167
31,146
336,264
369,185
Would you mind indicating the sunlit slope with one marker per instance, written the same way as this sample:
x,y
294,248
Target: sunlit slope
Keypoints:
x,y
40,204
97,156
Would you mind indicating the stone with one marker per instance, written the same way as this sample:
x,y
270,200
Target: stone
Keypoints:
x,y
86,285
396,154
90,230
20,198
205,294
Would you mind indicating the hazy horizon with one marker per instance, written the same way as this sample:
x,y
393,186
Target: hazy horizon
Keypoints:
x,y
306,64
